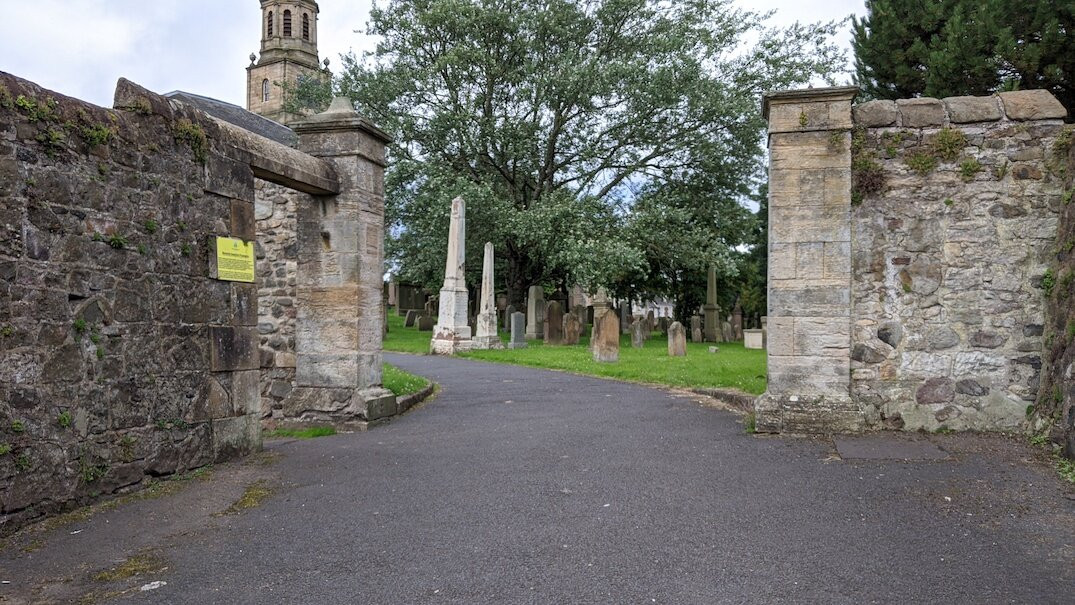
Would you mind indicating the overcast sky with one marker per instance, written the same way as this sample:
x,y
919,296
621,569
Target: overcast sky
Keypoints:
x,y
81,47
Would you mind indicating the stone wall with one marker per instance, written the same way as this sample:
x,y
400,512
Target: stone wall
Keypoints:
x,y
949,257
1054,412
120,359
275,212
947,211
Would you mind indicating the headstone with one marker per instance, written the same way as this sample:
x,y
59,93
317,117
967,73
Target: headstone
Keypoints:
x,y
535,313
518,331
606,339
485,336
601,305
452,333
752,339
651,321
393,291
677,340
579,311
712,318
507,318
696,328
425,323
409,297
727,332
554,323
638,333
625,317
664,323
589,315
412,316
572,329
737,321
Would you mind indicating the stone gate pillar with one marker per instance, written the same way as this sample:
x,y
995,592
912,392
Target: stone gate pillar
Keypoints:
x,y
340,273
809,353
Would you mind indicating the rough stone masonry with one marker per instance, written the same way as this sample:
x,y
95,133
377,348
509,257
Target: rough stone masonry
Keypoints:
x,y
121,356
908,245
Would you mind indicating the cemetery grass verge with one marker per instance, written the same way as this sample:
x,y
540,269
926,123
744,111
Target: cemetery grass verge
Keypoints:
x,y
402,383
734,366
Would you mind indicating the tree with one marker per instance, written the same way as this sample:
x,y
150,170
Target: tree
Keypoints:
x,y
548,115
939,48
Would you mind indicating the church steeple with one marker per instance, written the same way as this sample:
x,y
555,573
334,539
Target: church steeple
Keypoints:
x,y
288,52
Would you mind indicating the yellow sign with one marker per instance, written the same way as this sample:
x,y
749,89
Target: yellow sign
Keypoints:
x,y
234,259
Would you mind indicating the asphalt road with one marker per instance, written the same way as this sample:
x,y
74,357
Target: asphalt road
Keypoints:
x,y
526,486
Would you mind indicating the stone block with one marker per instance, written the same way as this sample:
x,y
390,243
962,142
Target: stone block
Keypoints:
x,y
806,151
338,370
921,112
810,224
243,225
233,348
235,437
965,110
1032,105
229,178
809,376
244,304
872,114
823,336
753,339
801,300
606,338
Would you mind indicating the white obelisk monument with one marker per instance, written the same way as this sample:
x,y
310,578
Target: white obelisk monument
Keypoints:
x,y
486,337
452,333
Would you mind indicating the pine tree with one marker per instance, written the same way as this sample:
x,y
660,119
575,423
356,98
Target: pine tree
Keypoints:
x,y
907,48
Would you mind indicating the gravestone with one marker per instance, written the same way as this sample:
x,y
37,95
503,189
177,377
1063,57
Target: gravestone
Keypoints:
x,y
696,328
712,319
606,339
638,334
579,311
485,335
664,323
535,313
752,339
412,316
727,332
507,317
518,331
425,323
572,329
737,321
677,340
452,333
625,317
589,315
651,321
554,323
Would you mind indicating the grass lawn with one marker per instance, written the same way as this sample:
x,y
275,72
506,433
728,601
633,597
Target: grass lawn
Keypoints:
x,y
400,382
733,367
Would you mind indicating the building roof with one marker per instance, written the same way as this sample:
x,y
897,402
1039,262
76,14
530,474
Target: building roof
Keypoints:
x,y
238,116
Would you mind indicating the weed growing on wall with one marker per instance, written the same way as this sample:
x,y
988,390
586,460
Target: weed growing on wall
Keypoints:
x,y
921,162
968,168
867,175
948,144
192,134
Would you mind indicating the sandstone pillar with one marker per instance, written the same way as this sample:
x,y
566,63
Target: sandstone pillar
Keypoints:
x,y
809,263
452,332
340,269
711,310
486,337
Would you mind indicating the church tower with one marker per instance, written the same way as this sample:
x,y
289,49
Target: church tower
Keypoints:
x,y
288,52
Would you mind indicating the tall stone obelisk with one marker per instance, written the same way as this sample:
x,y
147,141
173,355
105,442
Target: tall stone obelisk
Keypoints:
x,y
712,321
452,333
486,337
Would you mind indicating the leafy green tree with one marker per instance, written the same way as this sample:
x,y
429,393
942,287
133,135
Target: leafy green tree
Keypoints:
x,y
549,116
939,48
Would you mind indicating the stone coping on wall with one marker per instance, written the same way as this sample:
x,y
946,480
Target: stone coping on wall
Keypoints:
x,y
926,112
